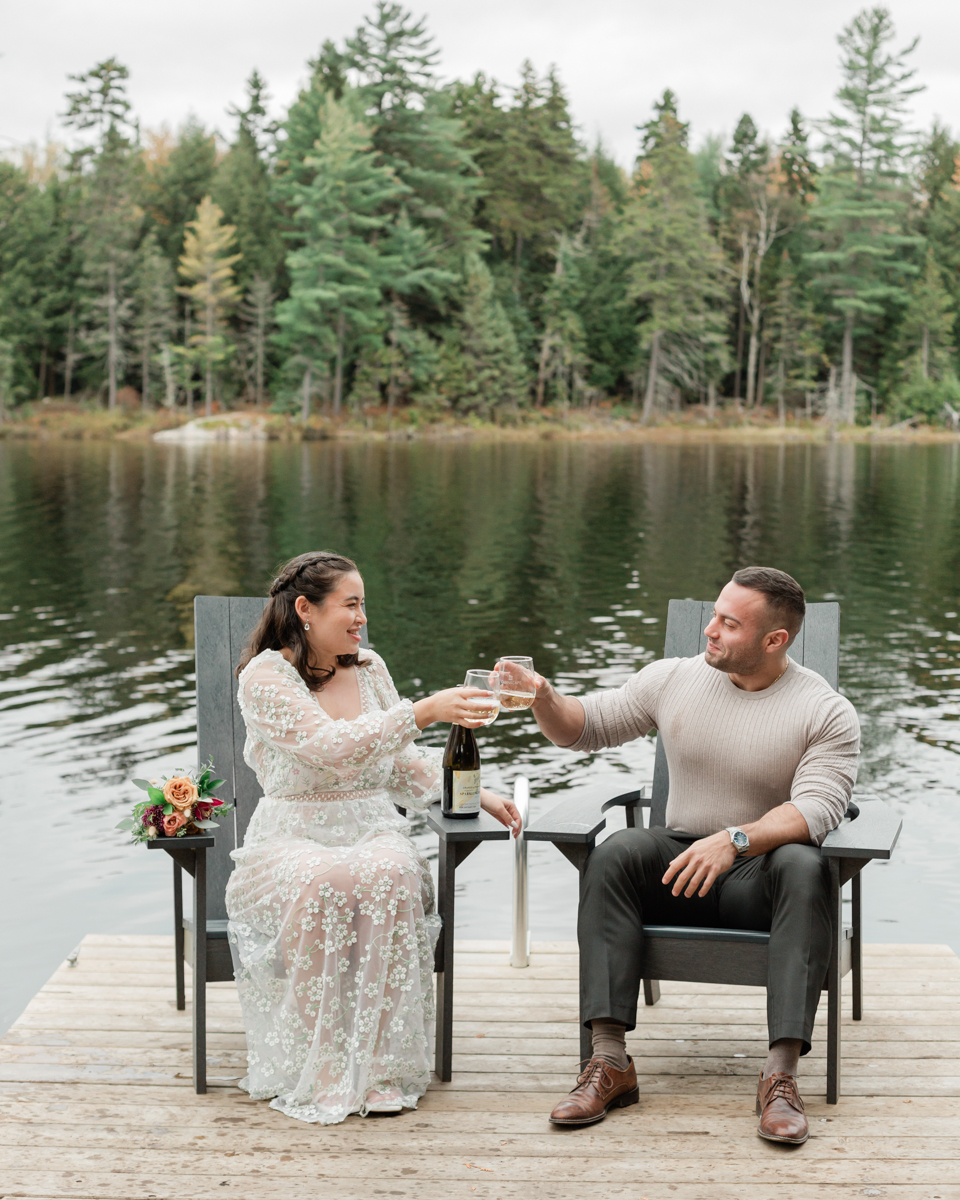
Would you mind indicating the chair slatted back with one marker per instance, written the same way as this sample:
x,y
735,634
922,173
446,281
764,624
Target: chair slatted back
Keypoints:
x,y
816,646
223,625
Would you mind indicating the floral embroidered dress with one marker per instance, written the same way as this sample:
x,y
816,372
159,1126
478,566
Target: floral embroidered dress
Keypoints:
x,y
332,922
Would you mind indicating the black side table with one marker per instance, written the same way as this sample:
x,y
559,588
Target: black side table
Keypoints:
x,y
458,838
190,854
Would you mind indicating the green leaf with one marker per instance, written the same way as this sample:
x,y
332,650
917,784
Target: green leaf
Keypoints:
x,y
155,795
126,823
167,809
213,784
144,784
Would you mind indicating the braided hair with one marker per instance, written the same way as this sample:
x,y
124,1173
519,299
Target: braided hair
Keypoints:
x,y
314,575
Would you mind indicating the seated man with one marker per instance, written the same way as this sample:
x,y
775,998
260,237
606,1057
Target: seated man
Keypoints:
x,y
763,757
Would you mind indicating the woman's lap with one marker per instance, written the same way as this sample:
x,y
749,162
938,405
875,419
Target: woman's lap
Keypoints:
x,y
334,967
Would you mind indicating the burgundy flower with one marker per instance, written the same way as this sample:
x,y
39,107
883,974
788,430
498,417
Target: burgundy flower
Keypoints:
x,y
152,816
203,808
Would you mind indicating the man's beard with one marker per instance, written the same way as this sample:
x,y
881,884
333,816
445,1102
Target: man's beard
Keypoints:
x,y
747,662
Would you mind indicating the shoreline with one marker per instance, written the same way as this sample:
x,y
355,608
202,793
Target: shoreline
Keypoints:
x,y
49,422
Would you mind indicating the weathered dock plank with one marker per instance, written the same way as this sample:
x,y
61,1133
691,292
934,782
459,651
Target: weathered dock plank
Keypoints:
x,y
96,1099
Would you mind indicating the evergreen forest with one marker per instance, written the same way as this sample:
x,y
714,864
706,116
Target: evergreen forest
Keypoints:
x,y
399,244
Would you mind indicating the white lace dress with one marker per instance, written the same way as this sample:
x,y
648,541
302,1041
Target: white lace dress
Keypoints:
x,y
332,922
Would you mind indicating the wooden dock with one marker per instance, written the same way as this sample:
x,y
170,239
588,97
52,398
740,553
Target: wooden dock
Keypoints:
x,y
97,1103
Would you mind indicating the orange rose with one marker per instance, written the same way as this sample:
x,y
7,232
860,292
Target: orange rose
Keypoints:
x,y
180,792
173,822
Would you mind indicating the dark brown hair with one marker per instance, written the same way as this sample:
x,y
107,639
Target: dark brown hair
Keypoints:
x,y
315,576
785,599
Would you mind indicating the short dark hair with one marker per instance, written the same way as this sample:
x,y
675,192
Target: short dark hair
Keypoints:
x,y
784,595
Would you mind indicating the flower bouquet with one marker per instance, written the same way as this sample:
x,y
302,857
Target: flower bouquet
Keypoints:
x,y
177,806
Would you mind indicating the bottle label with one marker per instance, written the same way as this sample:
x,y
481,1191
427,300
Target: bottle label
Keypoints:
x,y
466,791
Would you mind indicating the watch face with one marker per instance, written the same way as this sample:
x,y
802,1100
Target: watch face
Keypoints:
x,y
740,840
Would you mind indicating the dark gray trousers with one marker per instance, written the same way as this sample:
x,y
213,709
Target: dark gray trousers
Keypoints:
x,y
786,892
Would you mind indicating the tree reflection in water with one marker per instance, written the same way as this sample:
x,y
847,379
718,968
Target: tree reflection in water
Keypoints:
x,y
567,551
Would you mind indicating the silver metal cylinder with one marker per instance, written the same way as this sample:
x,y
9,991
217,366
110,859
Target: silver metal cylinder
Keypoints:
x,y
520,954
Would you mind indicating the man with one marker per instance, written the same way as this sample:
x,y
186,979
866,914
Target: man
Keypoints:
x,y
763,757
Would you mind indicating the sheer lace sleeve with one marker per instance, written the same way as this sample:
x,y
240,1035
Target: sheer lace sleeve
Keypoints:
x,y
416,777
416,771
277,707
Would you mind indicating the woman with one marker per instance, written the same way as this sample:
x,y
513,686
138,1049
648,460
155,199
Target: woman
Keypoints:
x,y
332,921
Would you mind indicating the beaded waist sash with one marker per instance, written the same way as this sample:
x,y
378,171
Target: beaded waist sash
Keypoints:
x,y
321,797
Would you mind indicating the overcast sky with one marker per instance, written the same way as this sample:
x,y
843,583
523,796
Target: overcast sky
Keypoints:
x,y
614,56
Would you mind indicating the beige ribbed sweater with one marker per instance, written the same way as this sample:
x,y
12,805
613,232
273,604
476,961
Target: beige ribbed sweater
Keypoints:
x,y
734,755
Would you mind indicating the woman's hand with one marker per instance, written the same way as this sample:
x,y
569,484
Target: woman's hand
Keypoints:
x,y
456,706
505,811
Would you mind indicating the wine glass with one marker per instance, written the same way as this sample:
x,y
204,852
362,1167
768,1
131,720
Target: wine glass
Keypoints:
x,y
488,707
517,687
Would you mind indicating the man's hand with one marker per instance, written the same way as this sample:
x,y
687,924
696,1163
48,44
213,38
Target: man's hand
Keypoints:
x,y
700,864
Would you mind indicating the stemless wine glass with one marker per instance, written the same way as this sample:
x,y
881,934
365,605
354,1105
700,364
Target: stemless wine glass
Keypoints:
x,y
517,687
488,707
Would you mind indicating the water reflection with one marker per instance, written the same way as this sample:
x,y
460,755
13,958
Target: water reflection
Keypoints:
x,y
567,552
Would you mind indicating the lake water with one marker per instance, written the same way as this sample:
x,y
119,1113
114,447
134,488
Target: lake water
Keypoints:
x,y
565,551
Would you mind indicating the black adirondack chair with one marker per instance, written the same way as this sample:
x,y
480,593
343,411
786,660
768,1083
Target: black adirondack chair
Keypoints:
x,y
223,625
738,956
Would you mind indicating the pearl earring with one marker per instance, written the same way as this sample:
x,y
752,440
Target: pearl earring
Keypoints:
x,y
306,624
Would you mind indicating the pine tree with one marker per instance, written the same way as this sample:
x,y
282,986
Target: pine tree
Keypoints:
x,y
241,186
798,168
925,356
409,275
337,272
101,105
31,239
488,371
535,180
608,319
175,182
796,349
391,63
404,364
208,266
413,128
938,164
676,266
757,211
257,312
864,266
111,217
563,354
153,296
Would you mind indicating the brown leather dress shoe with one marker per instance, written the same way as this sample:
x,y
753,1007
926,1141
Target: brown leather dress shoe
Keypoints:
x,y
780,1110
599,1087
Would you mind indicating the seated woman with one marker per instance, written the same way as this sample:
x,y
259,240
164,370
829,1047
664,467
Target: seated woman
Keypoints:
x,y
332,922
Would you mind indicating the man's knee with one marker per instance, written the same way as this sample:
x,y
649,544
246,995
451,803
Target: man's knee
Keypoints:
x,y
798,868
624,853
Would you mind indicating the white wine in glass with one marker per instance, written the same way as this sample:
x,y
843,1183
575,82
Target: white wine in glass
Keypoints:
x,y
488,707
517,687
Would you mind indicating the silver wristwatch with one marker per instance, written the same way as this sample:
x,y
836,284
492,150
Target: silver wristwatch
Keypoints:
x,y
741,843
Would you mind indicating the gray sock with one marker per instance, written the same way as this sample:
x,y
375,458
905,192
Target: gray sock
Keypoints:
x,y
610,1042
784,1057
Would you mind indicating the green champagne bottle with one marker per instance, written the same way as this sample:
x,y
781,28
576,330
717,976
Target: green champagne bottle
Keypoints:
x,y
461,774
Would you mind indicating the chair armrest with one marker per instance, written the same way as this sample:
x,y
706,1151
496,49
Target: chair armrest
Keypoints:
x,y
581,819
873,833
637,799
576,820
481,828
